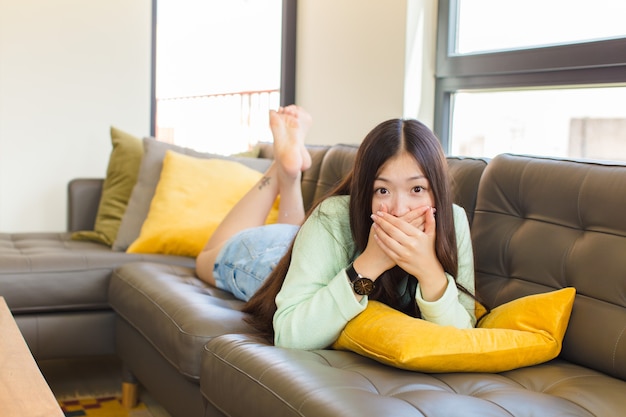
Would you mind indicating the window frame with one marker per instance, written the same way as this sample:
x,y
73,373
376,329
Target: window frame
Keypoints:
x,y
594,63
287,64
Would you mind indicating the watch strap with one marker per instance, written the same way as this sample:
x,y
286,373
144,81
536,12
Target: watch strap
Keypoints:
x,y
360,285
352,274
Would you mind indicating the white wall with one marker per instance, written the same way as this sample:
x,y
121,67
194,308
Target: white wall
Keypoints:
x,y
361,62
69,69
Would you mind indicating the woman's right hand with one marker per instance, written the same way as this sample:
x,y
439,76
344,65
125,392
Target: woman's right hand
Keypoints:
x,y
373,261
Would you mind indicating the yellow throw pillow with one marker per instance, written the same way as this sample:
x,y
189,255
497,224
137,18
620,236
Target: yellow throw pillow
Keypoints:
x,y
191,199
120,179
523,332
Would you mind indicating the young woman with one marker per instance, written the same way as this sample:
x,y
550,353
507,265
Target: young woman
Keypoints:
x,y
375,237
392,222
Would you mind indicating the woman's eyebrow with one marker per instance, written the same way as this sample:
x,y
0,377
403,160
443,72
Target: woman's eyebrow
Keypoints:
x,y
417,177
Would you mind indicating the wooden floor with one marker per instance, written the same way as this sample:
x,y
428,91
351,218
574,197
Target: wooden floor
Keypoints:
x,y
90,377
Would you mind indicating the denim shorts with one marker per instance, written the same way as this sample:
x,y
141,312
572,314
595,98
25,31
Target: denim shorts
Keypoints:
x,y
248,258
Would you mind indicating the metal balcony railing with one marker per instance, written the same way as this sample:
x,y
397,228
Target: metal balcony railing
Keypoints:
x,y
223,123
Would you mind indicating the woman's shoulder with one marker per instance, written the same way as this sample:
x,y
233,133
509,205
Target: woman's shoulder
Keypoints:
x,y
460,217
458,211
333,211
335,205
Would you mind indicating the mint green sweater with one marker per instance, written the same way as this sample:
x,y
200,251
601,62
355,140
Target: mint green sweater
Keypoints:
x,y
316,300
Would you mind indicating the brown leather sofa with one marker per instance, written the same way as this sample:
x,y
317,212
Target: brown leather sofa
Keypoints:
x,y
537,224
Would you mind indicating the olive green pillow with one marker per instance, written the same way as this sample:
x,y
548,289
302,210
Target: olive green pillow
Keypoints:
x,y
120,179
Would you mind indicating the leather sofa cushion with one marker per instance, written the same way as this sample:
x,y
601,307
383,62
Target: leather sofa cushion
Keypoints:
x,y
337,163
465,174
175,311
546,223
50,272
240,373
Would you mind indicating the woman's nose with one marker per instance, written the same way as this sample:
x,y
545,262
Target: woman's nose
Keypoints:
x,y
399,207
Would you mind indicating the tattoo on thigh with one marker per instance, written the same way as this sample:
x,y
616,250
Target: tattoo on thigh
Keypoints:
x,y
265,181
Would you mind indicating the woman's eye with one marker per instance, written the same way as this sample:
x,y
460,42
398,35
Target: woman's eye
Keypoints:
x,y
418,189
382,191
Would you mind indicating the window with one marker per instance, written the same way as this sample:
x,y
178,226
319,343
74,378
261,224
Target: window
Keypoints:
x,y
219,67
573,122
532,77
493,25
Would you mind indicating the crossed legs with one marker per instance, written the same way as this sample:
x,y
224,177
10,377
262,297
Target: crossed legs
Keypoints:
x,y
289,126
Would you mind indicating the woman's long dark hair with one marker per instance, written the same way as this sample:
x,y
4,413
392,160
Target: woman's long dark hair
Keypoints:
x,y
385,141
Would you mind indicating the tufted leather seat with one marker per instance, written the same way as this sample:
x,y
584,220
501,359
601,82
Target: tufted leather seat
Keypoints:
x,y
174,310
241,373
57,291
43,272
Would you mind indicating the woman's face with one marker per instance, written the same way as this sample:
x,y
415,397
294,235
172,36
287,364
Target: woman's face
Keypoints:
x,y
401,186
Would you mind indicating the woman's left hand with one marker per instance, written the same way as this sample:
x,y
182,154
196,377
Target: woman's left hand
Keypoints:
x,y
410,242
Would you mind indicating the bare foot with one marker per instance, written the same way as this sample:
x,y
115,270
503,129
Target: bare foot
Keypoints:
x,y
289,127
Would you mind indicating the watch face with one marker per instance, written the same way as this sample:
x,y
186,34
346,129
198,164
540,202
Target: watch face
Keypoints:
x,y
363,286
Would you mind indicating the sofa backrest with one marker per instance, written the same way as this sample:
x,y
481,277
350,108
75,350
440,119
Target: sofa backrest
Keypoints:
x,y
337,164
465,174
330,164
542,224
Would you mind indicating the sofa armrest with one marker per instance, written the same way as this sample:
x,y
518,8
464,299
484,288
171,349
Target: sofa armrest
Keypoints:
x,y
83,201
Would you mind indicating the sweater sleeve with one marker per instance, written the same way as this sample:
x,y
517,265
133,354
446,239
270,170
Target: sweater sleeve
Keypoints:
x,y
455,308
316,300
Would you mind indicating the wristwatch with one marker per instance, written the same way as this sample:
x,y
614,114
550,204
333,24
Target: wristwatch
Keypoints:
x,y
360,284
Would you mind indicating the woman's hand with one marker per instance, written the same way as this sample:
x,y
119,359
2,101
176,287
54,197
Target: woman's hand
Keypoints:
x,y
409,242
417,217
373,262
